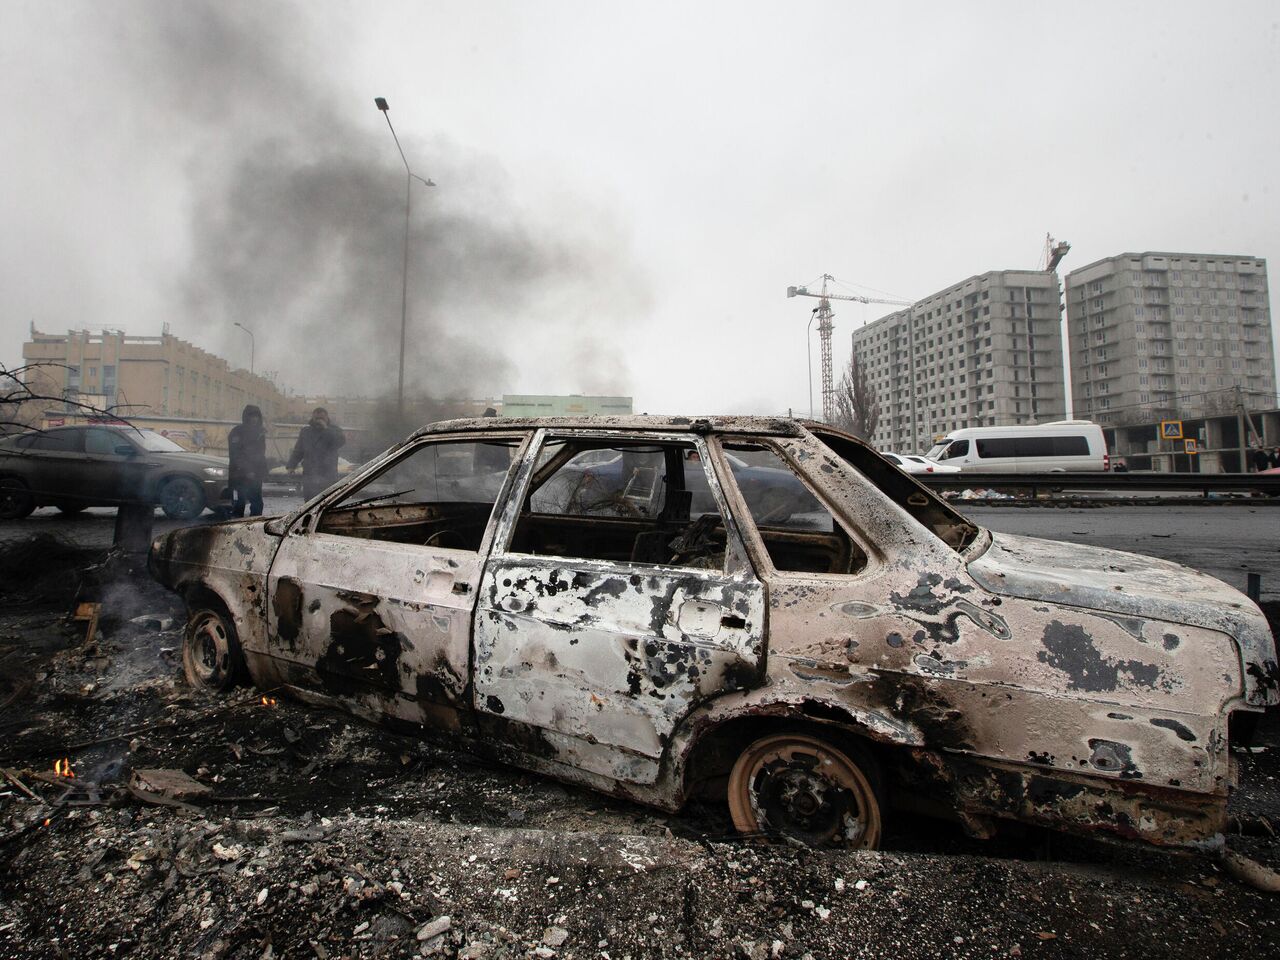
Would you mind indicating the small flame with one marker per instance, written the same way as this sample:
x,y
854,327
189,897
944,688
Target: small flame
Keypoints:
x,y
62,768
47,821
269,701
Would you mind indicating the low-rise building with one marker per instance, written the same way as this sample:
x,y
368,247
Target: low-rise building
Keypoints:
x,y
132,376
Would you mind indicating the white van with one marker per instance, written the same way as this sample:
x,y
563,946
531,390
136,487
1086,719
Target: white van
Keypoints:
x,y
1058,447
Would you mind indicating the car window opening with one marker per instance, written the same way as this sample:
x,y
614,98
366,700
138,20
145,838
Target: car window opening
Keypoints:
x,y
799,533
920,502
622,503
440,495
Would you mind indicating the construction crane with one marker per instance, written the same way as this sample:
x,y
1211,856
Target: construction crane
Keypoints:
x,y
1053,253
825,326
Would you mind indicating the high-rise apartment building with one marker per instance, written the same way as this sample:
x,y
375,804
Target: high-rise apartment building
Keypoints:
x,y
1165,335
985,351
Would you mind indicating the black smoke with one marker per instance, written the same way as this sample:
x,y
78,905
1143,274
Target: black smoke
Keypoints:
x,y
297,225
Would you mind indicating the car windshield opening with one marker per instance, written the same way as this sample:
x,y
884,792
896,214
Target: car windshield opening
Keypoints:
x,y
153,442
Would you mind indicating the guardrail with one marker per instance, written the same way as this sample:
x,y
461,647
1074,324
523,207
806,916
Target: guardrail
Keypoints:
x,y
1133,481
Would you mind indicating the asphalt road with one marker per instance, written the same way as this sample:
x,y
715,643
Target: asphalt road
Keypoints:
x,y
1227,540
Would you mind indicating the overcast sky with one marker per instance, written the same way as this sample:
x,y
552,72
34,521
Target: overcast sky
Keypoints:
x,y
624,190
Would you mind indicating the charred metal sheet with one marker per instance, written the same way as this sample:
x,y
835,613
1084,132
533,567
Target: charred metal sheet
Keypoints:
x,y
1165,817
607,661
1135,589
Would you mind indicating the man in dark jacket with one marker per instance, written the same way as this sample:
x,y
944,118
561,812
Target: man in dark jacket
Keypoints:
x,y
247,449
1260,459
317,451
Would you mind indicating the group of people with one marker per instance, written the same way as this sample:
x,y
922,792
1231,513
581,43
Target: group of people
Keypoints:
x,y
316,450
1264,460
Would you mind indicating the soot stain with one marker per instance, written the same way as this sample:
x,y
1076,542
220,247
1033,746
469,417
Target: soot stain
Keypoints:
x,y
1114,758
1067,647
362,653
287,604
1183,732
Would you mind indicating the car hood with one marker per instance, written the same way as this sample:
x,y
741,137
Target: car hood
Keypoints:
x,y
1130,584
189,553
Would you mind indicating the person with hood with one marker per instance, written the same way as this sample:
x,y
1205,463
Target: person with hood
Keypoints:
x,y
247,450
317,451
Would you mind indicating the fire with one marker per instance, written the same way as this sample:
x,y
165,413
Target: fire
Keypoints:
x,y
62,768
269,701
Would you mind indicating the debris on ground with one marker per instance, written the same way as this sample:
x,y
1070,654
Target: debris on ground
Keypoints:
x,y
141,819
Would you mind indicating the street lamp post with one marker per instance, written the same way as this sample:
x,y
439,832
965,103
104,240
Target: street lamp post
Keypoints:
x,y
808,342
251,341
410,176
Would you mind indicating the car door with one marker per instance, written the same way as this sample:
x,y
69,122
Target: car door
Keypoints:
x,y
371,593
109,475
604,618
55,467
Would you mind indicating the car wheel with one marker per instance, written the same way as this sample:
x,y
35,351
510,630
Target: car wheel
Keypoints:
x,y
181,499
806,789
71,509
16,501
210,651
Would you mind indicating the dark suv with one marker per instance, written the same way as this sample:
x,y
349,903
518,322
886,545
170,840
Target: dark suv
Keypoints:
x,y
72,468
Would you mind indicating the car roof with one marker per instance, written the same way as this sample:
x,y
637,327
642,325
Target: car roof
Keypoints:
x,y
775,426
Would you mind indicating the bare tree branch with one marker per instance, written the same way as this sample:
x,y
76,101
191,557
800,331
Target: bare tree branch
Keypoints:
x,y
857,408
24,388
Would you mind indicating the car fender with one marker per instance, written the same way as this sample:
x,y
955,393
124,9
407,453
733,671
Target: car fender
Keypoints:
x,y
228,561
783,702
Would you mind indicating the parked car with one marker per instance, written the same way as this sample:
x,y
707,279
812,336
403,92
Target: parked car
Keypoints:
x,y
103,465
815,664
1058,447
913,464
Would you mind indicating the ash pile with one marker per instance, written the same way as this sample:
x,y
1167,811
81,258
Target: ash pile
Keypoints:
x,y
141,819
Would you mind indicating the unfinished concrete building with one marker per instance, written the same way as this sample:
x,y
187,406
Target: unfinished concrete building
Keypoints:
x,y
982,352
1169,335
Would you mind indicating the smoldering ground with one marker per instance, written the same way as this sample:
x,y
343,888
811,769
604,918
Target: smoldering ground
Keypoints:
x,y
297,220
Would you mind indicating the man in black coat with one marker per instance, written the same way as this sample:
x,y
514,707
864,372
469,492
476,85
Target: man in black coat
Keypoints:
x,y
317,451
1260,459
247,450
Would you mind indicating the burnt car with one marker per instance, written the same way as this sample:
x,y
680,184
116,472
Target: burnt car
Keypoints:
x,y
72,468
760,610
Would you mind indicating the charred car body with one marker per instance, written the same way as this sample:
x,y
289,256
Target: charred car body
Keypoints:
x,y
761,609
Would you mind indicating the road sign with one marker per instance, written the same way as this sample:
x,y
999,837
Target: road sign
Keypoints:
x,y
1170,429
1189,446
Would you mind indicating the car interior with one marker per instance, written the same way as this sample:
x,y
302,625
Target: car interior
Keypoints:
x,y
627,503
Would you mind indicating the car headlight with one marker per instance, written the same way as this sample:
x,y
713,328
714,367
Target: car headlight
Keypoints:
x,y
215,471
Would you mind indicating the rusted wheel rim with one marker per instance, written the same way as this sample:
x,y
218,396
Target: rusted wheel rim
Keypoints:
x,y
207,648
800,787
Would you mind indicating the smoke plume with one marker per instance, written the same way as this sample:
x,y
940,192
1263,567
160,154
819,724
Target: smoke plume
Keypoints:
x,y
297,226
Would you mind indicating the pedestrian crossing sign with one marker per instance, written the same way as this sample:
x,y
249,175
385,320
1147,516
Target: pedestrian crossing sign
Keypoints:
x,y
1170,429
1189,446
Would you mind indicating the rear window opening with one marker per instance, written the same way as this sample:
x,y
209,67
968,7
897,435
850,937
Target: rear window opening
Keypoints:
x,y
947,525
